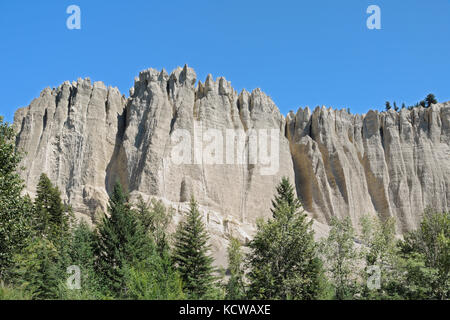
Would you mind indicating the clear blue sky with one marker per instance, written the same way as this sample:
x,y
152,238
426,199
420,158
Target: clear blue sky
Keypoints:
x,y
298,52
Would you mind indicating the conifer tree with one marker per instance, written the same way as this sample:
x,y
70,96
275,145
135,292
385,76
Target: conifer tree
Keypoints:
x,y
388,106
51,216
121,241
430,100
15,210
395,106
191,255
283,260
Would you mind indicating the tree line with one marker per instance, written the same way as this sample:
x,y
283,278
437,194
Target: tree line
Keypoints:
x,y
429,100
131,254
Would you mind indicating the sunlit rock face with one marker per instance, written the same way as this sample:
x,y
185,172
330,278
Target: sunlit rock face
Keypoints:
x,y
86,137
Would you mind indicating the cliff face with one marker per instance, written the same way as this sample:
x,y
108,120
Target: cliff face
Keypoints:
x,y
85,137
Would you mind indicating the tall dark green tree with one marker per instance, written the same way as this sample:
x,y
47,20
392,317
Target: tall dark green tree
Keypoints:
x,y
15,210
388,106
430,100
283,261
191,255
36,269
51,216
121,242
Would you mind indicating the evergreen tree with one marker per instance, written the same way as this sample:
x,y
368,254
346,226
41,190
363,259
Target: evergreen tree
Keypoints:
x,y
430,100
191,255
235,287
79,250
388,106
403,105
51,216
155,219
283,260
121,241
154,279
35,269
15,210
423,103
395,106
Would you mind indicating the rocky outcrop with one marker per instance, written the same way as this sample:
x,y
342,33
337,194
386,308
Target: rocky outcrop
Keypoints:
x,y
87,136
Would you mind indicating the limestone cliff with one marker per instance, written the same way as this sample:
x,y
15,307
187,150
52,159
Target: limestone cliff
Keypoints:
x,y
86,136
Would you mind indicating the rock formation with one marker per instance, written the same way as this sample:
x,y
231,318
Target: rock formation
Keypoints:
x,y
86,136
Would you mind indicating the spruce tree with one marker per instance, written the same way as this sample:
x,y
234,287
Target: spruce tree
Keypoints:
x,y
51,216
430,100
121,241
191,255
395,106
15,210
283,261
388,106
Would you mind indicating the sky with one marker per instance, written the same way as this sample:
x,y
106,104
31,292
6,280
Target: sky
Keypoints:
x,y
300,53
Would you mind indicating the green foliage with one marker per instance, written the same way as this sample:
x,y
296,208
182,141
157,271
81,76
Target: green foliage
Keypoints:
x,y
79,250
35,269
155,219
51,216
341,257
121,241
380,250
283,261
154,279
235,289
428,251
191,255
388,106
15,210
430,100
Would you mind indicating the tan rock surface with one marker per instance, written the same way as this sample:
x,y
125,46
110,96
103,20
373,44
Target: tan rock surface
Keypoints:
x,y
87,136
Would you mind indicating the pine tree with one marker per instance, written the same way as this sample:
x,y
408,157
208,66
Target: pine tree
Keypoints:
x,y
423,104
79,250
191,255
121,241
283,260
155,219
388,106
36,269
15,210
395,106
430,100
51,217
235,287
